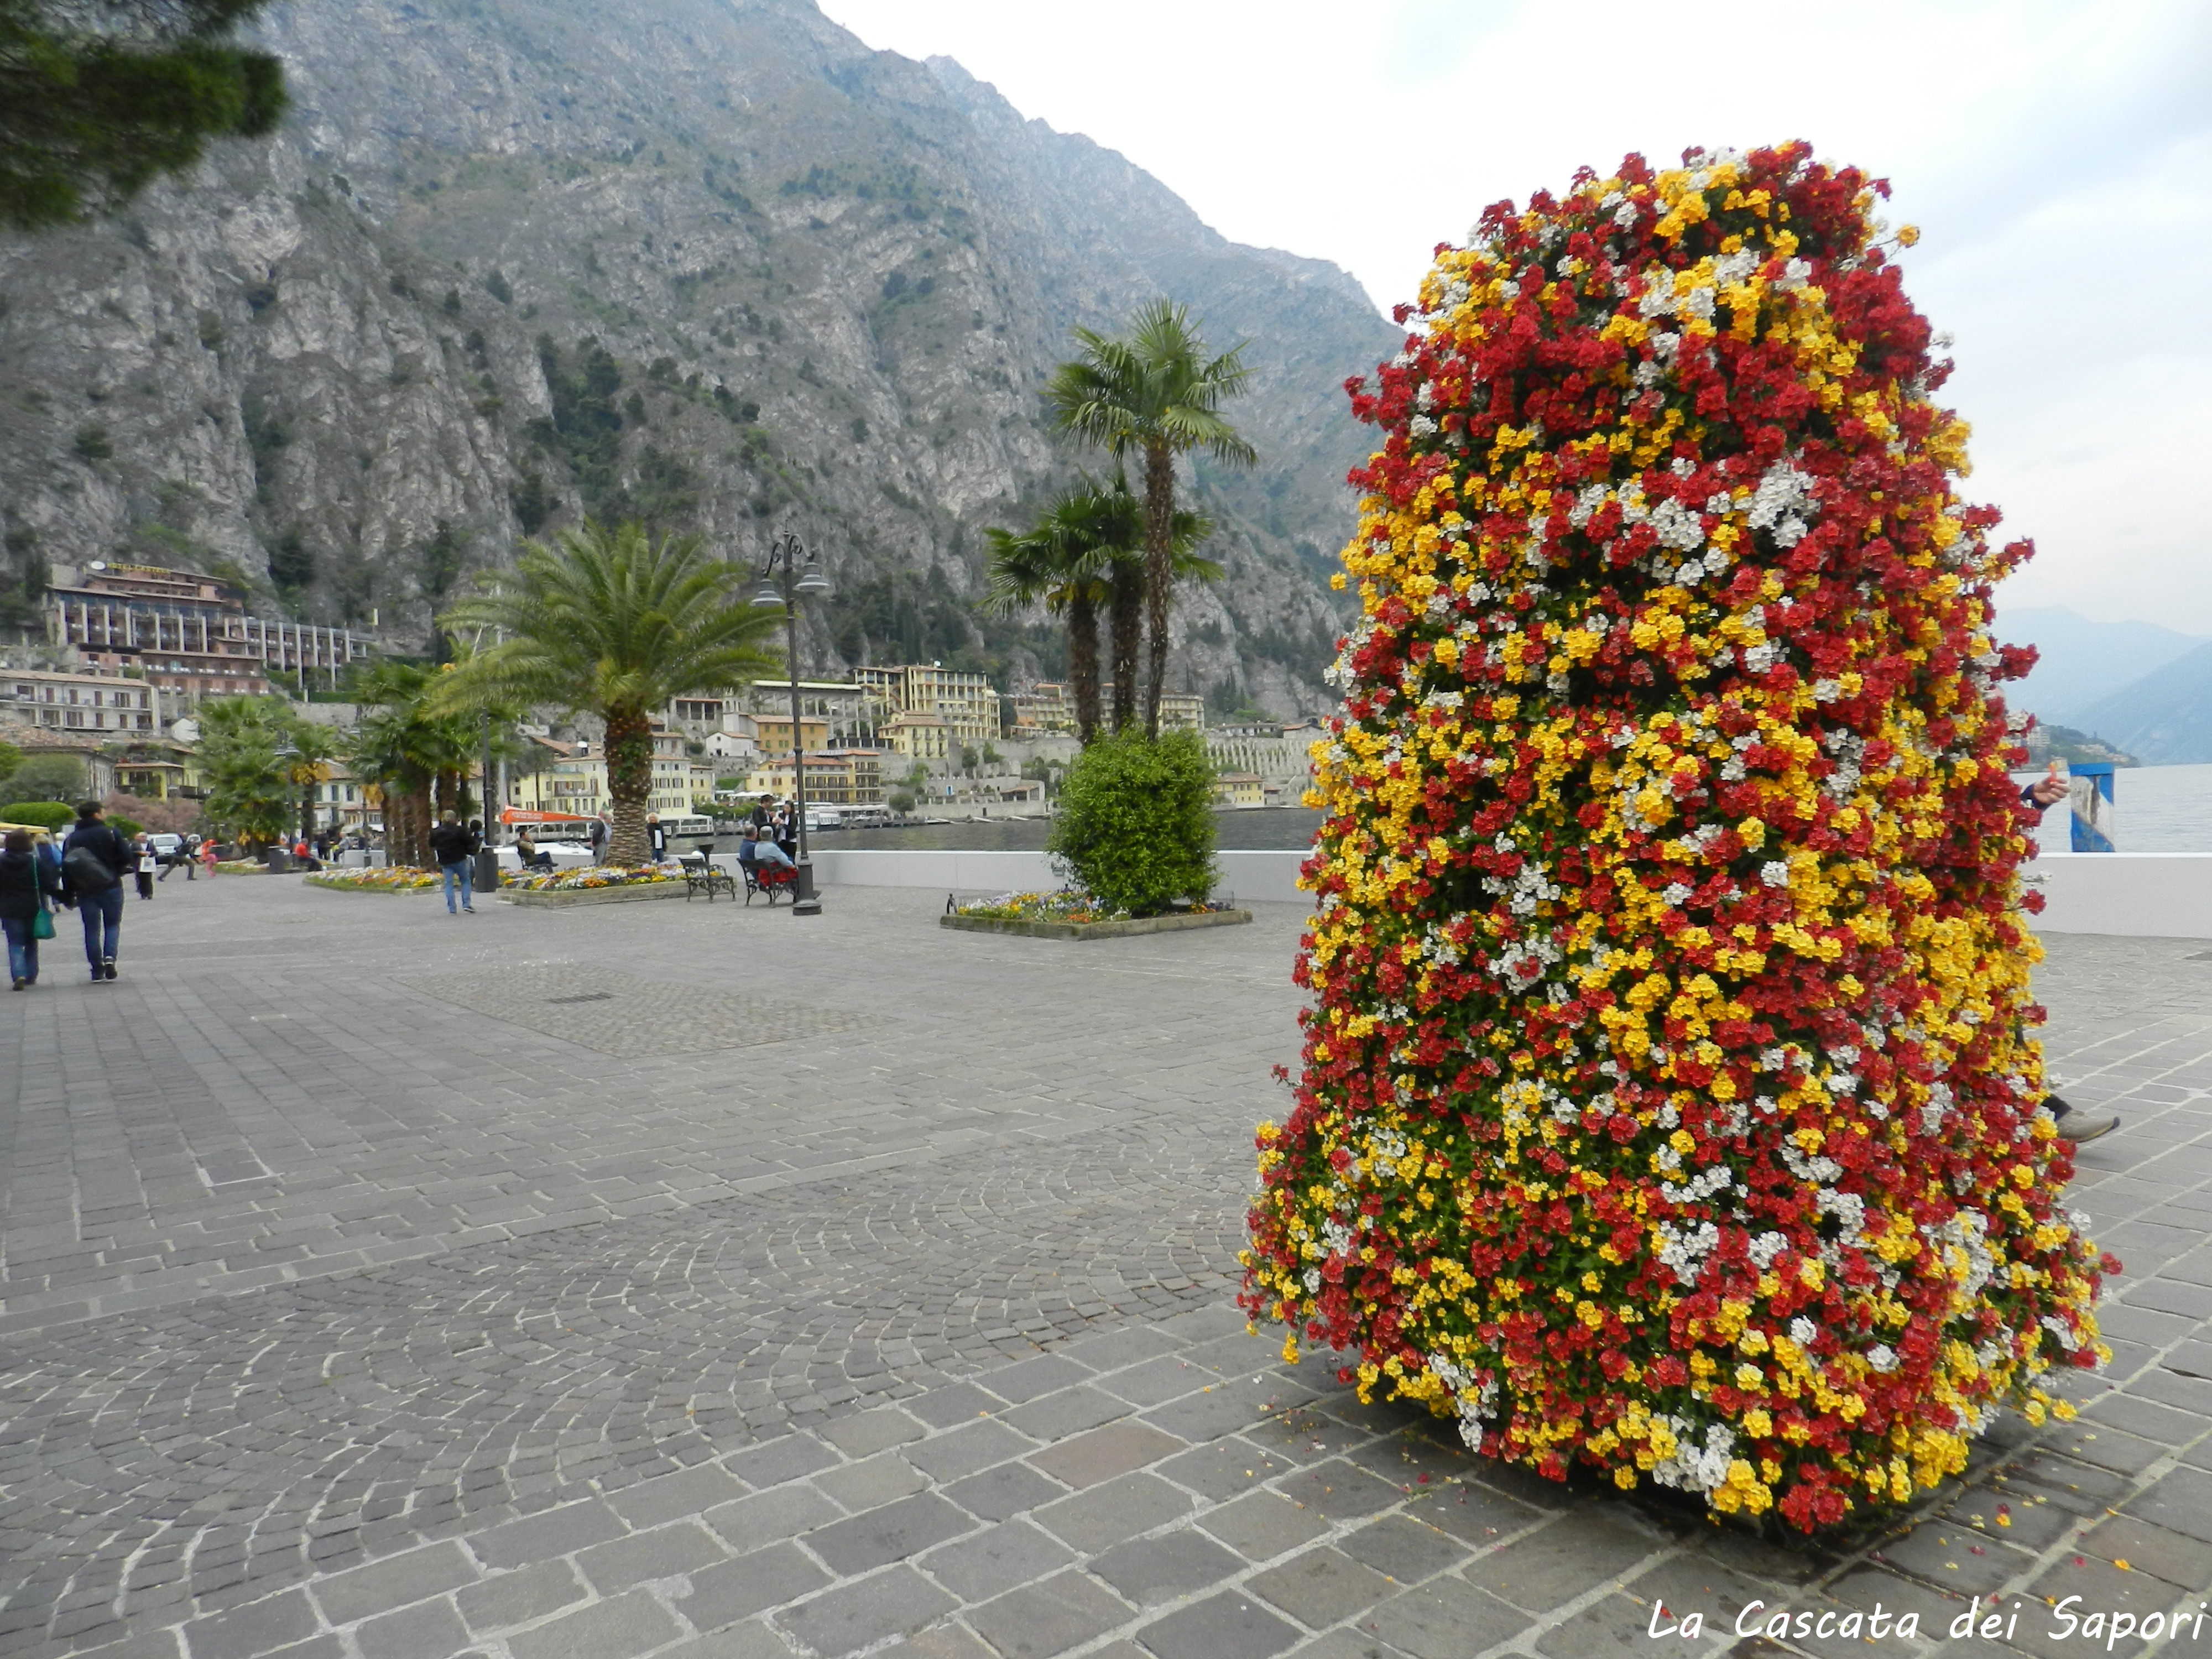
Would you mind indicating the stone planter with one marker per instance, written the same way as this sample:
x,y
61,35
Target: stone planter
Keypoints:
x,y
628,894
329,887
1168,924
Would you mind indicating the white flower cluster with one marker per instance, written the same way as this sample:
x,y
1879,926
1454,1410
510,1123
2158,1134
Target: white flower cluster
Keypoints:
x,y
1694,1467
1783,503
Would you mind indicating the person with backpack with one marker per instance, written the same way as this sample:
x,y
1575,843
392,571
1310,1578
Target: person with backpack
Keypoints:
x,y
27,881
94,860
454,845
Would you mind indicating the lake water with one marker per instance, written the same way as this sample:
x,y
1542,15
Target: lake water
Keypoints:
x,y
2161,809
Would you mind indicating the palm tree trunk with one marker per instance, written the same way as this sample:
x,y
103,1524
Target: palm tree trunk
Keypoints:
x,y
629,781
1159,575
1083,662
1127,633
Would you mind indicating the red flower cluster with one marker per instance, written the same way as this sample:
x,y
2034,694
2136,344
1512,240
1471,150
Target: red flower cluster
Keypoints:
x,y
1668,1101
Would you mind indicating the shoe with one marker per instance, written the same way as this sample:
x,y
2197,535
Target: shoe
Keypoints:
x,y
98,977
2079,1129
108,967
468,909
17,986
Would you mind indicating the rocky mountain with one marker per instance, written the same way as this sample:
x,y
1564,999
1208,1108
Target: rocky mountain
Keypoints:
x,y
2164,717
2082,662
712,263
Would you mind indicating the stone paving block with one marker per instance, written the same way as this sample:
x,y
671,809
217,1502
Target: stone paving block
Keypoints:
x,y
2177,1558
1049,1617
1229,1625
1120,1508
748,1641
1618,1626
432,1627
992,1561
1224,1408
1033,1377
1878,1590
1071,1410
517,1598
1347,1644
964,1451
897,1601
1337,1489
877,1480
1321,1586
1223,1469
1956,1558
151,1644
1157,1381
724,1594
1202,1324
1148,1571
2103,1588
781,1460
1474,1514
866,1433
1086,1459
955,1402
1693,1582
1554,1565
627,1625
256,1628
662,1553
887,1535
556,1531
672,1496
2181,1501
768,1517
1445,1620
2013,1517
1112,1350
364,1592
2108,1448
2069,1484
1007,1490
940,1642
1405,1547
1262,1525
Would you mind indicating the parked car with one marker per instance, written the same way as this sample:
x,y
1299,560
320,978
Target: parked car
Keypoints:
x,y
167,847
565,854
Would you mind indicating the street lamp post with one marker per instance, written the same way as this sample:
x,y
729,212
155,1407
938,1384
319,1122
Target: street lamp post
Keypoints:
x,y
790,571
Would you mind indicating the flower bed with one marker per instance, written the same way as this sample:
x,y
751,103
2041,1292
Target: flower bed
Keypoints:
x,y
1068,914
593,876
392,878
1669,1104
242,867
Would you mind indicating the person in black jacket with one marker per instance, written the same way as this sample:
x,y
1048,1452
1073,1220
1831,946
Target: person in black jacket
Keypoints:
x,y
454,845
26,882
95,860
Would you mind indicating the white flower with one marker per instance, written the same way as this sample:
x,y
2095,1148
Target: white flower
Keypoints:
x,y
1775,873
1882,1357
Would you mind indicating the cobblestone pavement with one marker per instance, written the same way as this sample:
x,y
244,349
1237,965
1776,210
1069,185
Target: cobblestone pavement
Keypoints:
x,y
364,1297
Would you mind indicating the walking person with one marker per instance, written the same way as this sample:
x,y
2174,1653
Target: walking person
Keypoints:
x,y
94,859
656,835
454,847
27,881
144,863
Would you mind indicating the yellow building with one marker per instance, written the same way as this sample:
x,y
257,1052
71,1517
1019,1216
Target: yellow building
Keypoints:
x,y
774,733
836,777
920,736
573,778
967,702
1045,707
1180,711
1239,789
80,702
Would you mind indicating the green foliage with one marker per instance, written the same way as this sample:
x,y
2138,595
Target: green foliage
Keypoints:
x,y
46,814
620,624
123,827
49,777
1135,828
10,758
89,115
1155,393
902,801
495,284
92,442
586,429
533,503
291,563
249,788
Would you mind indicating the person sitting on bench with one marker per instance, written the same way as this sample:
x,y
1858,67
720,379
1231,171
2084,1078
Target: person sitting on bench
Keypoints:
x,y
761,851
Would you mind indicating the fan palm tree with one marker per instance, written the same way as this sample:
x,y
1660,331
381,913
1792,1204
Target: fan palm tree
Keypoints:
x,y
619,625
405,749
1087,550
1156,392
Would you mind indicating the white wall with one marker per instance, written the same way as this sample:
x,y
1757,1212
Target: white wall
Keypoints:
x,y
2141,895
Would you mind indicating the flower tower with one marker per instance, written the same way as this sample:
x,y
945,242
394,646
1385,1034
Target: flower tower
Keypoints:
x,y
1668,1102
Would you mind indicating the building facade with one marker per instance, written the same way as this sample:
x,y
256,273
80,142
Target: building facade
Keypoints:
x,y
835,777
189,634
572,777
80,702
926,737
967,702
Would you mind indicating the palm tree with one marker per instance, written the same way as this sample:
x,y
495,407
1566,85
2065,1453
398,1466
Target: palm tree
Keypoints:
x,y
245,750
1086,550
404,748
1156,392
615,622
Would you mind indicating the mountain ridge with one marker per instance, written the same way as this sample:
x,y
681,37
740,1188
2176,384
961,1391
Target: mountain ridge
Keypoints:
x,y
512,260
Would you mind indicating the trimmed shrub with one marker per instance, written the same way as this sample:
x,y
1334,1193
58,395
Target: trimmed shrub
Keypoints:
x,y
1135,826
46,814
1669,1103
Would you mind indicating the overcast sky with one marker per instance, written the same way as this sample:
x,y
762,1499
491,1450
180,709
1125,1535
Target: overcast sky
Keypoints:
x,y
2058,157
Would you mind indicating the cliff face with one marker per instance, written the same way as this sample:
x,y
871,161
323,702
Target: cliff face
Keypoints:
x,y
715,264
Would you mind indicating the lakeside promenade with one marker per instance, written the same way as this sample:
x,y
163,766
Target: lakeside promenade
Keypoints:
x,y
685,1279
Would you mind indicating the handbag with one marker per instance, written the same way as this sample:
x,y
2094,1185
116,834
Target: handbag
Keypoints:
x,y
42,923
87,871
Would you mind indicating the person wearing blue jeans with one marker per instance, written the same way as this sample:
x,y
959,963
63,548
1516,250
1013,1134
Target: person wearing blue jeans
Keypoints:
x,y
27,881
453,844
93,861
